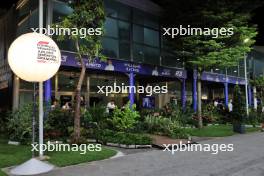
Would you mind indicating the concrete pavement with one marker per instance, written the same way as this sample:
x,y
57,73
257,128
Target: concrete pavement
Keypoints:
x,y
247,159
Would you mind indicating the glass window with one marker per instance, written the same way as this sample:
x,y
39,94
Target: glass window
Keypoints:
x,y
67,81
138,53
33,20
110,47
258,67
124,30
232,71
138,34
111,27
29,22
25,9
142,18
67,45
124,50
26,85
146,54
60,10
25,98
152,55
219,71
151,37
170,60
117,10
146,36
241,69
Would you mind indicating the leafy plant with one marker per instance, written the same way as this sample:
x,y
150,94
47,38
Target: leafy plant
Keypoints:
x,y
254,118
184,117
179,133
109,136
19,124
95,115
239,106
3,121
57,123
125,119
86,14
160,125
204,52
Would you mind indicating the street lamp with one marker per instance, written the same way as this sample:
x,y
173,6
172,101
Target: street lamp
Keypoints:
x,y
34,57
246,81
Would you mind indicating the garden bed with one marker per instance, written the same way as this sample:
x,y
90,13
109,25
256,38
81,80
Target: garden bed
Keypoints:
x,y
216,131
131,146
124,140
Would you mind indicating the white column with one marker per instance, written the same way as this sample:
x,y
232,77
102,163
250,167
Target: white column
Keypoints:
x,y
246,82
255,97
15,93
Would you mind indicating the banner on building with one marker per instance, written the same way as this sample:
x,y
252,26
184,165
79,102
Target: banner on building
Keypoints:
x,y
68,59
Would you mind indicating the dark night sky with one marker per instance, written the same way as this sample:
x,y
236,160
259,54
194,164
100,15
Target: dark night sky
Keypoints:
x,y
5,5
257,17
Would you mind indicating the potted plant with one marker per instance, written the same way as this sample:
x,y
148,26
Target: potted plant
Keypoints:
x,y
239,111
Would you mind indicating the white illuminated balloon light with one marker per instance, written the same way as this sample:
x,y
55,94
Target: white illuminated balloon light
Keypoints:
x,y
34,57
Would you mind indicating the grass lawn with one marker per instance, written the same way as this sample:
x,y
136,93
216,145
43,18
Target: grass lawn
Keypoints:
x,y
216,131
70,158
13,155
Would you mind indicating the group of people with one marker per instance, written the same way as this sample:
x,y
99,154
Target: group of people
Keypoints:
x,y
219,104
67,105
110,107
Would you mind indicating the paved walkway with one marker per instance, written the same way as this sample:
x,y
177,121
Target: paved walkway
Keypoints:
x,y
247,159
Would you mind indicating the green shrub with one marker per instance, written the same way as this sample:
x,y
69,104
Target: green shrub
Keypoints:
x,y
57,123
184,117
123,138
254,118
3,122
19,124
179,133
96,115
125,119
160,125
239,106
212,113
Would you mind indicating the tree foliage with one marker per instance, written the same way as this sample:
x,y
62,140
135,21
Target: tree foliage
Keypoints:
x,y
239,105
224,51
206,52
86,14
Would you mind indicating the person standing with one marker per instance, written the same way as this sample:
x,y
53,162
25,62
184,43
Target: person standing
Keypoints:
x,y
110,107
230,106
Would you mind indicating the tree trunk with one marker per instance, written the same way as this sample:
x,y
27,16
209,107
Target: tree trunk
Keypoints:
x,y
77,112
199,97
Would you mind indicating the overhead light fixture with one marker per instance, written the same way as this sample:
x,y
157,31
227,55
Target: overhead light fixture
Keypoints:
x,y
21,3
235,71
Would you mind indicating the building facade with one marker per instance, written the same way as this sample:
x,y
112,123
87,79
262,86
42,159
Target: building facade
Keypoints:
x,y
137,55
